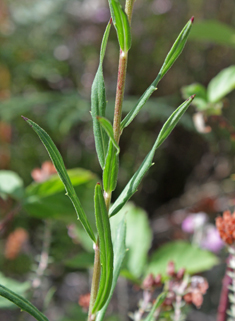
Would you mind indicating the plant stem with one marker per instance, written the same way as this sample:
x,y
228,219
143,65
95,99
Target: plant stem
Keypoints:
x,y
95,281
116,128
121,79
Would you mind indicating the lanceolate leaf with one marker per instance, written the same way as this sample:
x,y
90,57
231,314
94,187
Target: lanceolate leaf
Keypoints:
x,y
98,104
121,24
110,172
119,254
176,49
171,57
109,130
60,167
22,303
157,304
134,182
106,250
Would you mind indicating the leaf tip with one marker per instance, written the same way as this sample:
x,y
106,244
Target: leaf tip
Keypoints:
x,y
192,19
25,118
193,96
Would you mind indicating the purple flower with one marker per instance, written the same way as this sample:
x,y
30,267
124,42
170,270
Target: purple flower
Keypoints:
x,y
212,240
193,222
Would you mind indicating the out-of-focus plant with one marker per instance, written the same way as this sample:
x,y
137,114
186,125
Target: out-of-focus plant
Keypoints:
x,y
39,198
210,101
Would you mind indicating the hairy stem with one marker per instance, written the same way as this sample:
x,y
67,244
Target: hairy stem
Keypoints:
x,y
121,80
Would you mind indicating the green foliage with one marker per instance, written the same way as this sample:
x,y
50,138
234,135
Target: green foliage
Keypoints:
x,y
138,237
209,100
184,255
106,249
11,185
172,56
19,288
221,85
119,249
60,167
213,31
121,24
46,199
134,182
98,104
22,303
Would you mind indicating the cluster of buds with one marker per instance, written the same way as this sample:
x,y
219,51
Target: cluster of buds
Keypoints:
x,y
226,226
191,289
150,283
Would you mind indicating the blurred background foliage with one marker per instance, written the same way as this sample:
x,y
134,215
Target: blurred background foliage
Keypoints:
x,y
48,58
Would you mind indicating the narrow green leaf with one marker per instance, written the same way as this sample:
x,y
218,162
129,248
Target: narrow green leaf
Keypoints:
x,y
160,299
109,130
121,24
119,254
98,104
134,182
173,54
60,167
110,172
177,48
22,303
106,249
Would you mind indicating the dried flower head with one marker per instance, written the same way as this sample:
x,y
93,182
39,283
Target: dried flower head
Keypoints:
x,y
226,227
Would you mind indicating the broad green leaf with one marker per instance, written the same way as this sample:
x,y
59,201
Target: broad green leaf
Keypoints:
x,y
173,54
19,288
107,126
138,237
22,303
222,84
119,248
175,50
200,101
121,24
98,104
11,184
110,172
213,31
106,250
184,255
134,182
46,199
60,167
157,304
